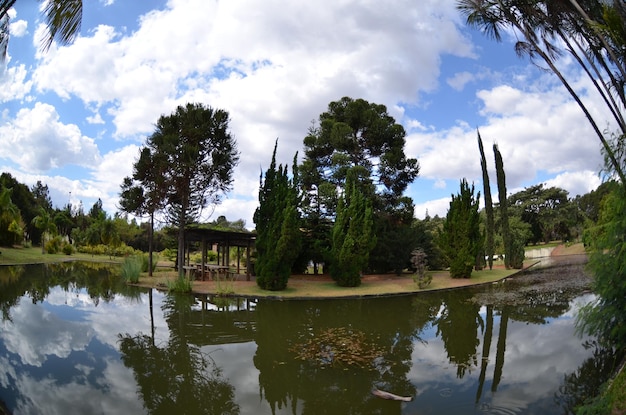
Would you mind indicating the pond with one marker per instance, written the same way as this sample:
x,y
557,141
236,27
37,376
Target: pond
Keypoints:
x,y
75,340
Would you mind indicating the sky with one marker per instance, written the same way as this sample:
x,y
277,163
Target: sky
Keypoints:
x,y
75,117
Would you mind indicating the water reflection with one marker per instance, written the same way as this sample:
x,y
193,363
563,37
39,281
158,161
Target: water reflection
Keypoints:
x,y
77,340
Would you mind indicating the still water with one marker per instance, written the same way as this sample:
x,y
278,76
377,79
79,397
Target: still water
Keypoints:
x,y
75,340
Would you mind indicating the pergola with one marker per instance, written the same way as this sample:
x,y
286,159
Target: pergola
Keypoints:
x,y
224,241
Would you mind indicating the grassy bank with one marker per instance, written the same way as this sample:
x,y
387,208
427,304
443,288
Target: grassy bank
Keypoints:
x,y
18,255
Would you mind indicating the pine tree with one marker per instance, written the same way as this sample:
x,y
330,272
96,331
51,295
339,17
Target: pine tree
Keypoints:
x,y
278,226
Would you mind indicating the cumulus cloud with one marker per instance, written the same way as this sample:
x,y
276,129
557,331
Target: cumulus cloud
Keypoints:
x,y
37,140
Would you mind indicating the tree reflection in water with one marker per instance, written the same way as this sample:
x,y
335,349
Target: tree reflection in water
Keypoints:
x,y
177,378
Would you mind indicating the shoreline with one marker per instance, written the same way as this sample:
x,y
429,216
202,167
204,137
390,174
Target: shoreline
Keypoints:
x,y
311,287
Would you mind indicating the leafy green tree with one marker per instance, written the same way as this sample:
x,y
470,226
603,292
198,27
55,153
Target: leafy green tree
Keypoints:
x,y
198,156
461,239
504,208
548,211
352,236
605,317
45,222
489,223
28,208
590,32
9,213
356,133
63,20
278,226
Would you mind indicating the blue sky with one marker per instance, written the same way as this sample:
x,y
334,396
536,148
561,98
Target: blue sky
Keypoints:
x,y
76,116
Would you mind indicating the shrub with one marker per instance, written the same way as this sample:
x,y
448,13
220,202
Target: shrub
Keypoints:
x,y
418,261
169,254
68,249
131,268
53,246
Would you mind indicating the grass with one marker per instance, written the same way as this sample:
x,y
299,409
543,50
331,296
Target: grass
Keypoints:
x,y
322,287
33,255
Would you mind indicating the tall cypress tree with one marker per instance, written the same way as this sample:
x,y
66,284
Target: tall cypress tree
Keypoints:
x,y
277,224
461,239
489,225
504,207
352,235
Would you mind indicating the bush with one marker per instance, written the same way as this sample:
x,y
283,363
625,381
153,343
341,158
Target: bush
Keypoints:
x,y
418,261
53,246
68,249
131,268
169,254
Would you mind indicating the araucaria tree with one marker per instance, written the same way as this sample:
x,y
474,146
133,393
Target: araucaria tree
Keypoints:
x,y
277,225
356,133
352,234
144,193
461,238
196,156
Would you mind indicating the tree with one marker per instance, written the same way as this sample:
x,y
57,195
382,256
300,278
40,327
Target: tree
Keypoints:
x,y
199,156
44,222
461,239
548,211
352,234
278,226
590,32
489,225
605,317
504,208
145,192
63,20
356,133
9,214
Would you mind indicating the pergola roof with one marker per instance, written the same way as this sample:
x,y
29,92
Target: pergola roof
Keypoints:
x,y
198,233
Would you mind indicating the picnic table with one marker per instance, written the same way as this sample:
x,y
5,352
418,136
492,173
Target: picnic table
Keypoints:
x,y
214,271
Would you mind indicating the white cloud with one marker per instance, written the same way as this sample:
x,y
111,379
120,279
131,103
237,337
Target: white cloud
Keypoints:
x,y
37,140
459,80
18,28
13,83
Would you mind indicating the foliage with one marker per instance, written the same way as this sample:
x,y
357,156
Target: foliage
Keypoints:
x,y
505,230
179,285
67,249
589,33
54,245
145,262
352,234
461,239
194,155
605,317
418,261
132,268
278,226
548,211
45,223
489,223
354,133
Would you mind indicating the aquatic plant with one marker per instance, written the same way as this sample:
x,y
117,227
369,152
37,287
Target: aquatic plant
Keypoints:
x,y
131,268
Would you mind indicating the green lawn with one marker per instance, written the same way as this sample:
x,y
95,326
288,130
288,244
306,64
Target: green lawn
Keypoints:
x,y
17,255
